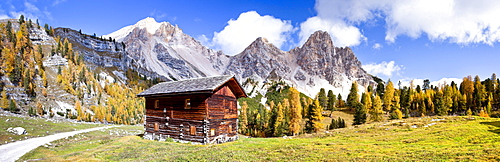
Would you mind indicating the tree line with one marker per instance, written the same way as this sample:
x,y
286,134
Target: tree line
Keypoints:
x,y
471,97
287,112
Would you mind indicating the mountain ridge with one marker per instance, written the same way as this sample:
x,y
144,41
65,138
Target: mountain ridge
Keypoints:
x,y
161,49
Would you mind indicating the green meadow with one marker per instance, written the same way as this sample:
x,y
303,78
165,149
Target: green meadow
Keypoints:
x,y
414,139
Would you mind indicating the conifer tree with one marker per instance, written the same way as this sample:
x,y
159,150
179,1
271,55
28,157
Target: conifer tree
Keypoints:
x,y
8,59
295,111
79,110
316,116
331,101
388,96
467,89
447,99
479,93
366,100
376,112
333,125
353,97
21,19
12,106
286,113
323,100
341,123
305,107
380,89
340,101
427,102
488,104
39,108
462,103
278,124
359,114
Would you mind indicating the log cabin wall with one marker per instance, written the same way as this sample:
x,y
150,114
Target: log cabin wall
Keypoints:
x,y
202,110
223,116
167,117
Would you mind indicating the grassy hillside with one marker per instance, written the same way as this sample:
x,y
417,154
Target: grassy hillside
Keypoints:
x,y
33,127
422,139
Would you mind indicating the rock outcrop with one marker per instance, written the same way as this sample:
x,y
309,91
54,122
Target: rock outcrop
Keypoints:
x,y
317,64
163,50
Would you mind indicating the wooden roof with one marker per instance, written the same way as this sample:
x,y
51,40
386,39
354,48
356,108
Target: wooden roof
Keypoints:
x,y
195,86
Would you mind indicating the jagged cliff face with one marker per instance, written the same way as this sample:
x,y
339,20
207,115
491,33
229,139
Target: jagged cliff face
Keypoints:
x,y
260,60
163,50
318,56
317,64
100,52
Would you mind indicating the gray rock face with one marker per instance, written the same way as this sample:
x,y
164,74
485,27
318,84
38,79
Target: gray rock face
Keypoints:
x,y
170,54
103,53
318,59
163,50
259,59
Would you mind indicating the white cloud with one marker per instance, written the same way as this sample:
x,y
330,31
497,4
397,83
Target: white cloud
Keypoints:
x,y
56,2
457,21
377,46
385,68
342,34
4,16
31,11
239,33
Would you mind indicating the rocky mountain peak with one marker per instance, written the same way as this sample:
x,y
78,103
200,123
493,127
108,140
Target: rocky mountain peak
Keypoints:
x,y
262,39
261,43
149,24
319,38
163,50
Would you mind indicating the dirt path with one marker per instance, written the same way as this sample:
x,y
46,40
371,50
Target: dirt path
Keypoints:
x,y
13,151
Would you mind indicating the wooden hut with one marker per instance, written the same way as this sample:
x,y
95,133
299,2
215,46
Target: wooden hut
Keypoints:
x,y
201,110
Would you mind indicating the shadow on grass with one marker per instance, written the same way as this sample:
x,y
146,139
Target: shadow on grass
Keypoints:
x,y
496,124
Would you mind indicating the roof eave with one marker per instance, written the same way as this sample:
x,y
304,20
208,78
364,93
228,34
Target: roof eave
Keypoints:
x,y
176,93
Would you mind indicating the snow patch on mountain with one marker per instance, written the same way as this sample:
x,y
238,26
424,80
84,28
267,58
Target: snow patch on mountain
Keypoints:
x,y
148,23
163,50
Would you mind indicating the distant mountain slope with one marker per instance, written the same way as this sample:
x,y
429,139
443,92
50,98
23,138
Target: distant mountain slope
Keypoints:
x,y
163,50
317,64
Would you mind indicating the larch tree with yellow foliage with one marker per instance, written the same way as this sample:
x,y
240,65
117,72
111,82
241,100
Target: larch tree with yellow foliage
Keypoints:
x,y
79,110
278,126
295,111
388,96
316,116
376,111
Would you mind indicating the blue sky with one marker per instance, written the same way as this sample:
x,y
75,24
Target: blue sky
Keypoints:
x,y
400,40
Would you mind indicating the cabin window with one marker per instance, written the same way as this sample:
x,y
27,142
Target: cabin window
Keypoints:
x,y
192,130
212,132
187,104
157,103
157,127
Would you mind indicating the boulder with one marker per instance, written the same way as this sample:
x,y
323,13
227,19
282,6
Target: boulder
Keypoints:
x,y
17,130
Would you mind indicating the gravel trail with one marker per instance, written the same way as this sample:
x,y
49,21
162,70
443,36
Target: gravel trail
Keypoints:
x,y
13,151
